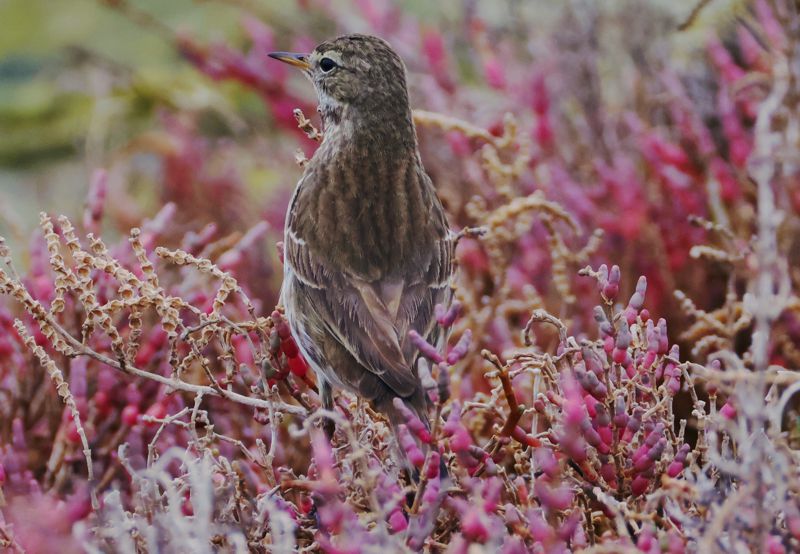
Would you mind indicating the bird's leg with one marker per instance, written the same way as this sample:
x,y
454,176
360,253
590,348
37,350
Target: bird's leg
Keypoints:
x,y
325,392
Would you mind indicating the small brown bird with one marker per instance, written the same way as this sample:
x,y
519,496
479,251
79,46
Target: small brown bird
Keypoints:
x,y
367,246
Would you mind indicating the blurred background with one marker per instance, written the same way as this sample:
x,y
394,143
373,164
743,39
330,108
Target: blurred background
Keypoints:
x,y
176,104
84,84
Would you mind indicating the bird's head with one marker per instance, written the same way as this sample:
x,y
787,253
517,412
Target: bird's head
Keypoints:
x,y
354,73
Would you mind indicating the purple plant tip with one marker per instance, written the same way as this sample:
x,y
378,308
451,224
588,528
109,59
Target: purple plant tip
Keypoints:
x,y
575,448
774,545
446,317
611,287
644,462
591,436
432,465
539,528
522,437
673,386
575,411
461,348
620,356
472,526
546,461
605,327
432,490
606,435
639,485
512,516
425,348
409,446
674,469
630,314
728,411
412,421
620,414
553,498
608,344
602,277
592,361
623,337
18,435
637,299
608,472
569,526
663,340
630,429
443,384
398,521
323,457
793,523
647,540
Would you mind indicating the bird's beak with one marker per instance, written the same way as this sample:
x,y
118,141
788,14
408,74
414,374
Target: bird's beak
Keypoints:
x,y
297,60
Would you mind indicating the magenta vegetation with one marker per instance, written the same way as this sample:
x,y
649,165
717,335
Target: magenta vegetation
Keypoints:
x,y
622,366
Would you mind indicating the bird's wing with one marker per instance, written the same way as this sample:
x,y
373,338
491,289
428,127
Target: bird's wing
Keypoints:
x,y
372,319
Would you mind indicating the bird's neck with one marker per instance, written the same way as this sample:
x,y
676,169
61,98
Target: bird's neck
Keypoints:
x,y
368,128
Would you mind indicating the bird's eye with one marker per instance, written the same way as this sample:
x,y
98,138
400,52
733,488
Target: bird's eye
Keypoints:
x,y
326,64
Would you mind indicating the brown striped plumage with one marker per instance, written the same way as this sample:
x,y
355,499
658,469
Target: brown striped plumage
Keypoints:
x,y
367,247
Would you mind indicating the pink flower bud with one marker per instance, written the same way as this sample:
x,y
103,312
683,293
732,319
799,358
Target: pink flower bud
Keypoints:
x,y
722,59
663,344
608,344
793,523
298,366
409,446
620,356
605,327
634,422
130,415
494,72
608,472
611,288
412,421
674,469
569,526
522,437
432,490
553,498
546,461
774,545
446,317
647,540
425,348
606,435
728,411
639,485
539,528
72,434
432,465
461,348
473,527
623,337
186,506
398,521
